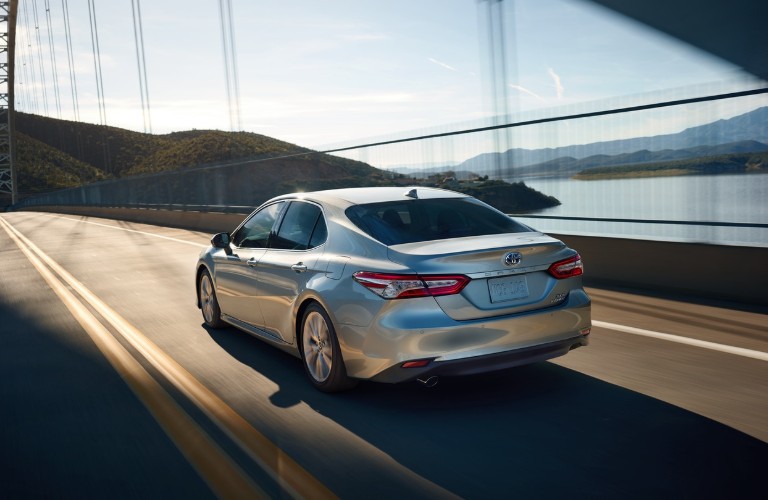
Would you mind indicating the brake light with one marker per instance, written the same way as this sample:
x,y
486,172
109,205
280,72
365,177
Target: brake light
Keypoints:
x,y
401,286
567,268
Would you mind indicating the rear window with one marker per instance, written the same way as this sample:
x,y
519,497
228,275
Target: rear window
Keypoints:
x,y
396,222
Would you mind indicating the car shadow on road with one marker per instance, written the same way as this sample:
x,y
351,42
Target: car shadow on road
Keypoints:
x,y
540,431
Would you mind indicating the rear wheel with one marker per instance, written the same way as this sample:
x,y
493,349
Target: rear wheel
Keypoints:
x,y
208,302
321,353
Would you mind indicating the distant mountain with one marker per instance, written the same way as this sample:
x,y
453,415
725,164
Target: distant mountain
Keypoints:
x,y
730,163
567,166
748,128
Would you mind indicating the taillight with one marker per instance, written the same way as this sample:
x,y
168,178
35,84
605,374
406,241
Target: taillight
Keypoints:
x,y
401,286
567,268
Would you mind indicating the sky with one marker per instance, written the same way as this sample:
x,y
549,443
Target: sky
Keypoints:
x,y
332,73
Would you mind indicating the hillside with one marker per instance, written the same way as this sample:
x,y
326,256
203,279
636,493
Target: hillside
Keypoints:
x,y
199,167
111,150
197,147
513,197
568,166
119,152
42,168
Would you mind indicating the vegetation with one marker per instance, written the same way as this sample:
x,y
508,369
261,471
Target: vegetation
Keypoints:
x,y
42,168
120,152
734,163
508,197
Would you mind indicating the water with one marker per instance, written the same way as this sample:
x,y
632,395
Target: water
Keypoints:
x,y
716,198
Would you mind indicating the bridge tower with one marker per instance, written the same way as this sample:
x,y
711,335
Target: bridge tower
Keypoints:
x,y
7,36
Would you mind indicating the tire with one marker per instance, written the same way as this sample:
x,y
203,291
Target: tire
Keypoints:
x,y
320,352
209,305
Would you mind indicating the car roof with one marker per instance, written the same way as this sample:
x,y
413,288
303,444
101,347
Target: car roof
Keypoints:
x,y
356,196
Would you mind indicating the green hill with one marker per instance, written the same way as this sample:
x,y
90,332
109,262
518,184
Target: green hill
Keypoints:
x,y
42,168
111,152
185,149
119,152
109,149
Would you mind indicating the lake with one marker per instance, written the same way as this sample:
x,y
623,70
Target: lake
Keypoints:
x,y
708,198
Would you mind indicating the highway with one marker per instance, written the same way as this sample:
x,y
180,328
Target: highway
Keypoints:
x,y
111,387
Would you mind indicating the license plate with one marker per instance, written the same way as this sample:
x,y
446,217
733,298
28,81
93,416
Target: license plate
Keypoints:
x,y
508,288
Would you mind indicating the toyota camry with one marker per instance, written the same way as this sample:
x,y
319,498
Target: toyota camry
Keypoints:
x,y
394,284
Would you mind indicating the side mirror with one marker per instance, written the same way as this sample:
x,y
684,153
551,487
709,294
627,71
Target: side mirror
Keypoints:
x,y
221,240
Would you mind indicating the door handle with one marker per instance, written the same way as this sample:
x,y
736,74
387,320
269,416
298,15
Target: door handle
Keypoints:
x,y
299,268
252,262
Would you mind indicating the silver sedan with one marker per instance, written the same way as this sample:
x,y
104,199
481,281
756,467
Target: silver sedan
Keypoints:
x,y
394,284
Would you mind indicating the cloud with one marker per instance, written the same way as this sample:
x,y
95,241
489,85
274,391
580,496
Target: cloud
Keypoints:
x,y
558,84
435,61
526,91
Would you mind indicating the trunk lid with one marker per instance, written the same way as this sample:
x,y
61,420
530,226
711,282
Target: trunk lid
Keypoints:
x,y
508,271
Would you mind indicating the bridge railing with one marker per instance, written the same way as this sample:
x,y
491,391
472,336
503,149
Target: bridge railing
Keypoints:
x,y
722,208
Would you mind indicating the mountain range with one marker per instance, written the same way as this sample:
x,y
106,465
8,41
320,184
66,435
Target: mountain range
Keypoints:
x,y
746,133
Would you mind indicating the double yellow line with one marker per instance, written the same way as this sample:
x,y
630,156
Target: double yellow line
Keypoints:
x,y
225,478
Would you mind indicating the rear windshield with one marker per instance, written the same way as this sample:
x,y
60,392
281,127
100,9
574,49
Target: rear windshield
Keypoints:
x,y
396,222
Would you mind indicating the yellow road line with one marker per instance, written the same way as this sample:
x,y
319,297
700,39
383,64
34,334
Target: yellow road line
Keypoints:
x,y
290,475
224,477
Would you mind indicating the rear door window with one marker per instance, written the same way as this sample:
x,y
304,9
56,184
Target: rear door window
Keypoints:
x,y
302,227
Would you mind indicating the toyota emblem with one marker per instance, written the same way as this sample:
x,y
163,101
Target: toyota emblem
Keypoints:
x,y
513,258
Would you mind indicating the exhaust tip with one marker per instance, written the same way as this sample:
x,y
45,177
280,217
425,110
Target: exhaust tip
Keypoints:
x,y
429,381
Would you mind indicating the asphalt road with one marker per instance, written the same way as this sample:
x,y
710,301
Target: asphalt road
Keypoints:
x,y
110,386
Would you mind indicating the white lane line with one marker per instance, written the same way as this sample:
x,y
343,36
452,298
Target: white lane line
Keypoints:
x,y
749,353
126,229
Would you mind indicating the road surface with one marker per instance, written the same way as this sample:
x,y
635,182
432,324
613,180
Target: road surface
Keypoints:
x,y
112,387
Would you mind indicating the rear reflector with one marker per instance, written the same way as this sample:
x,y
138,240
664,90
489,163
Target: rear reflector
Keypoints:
x,y
567,268
418,363
585,331
401,286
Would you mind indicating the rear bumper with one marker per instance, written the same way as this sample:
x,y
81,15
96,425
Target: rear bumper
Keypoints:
x,y
485,363
418,329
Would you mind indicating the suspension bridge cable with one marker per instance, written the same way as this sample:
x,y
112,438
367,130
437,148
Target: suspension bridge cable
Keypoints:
x,y
20,85
235,76
56,92
230,63
138,36
70,60
40,58
22,89
29,66
226,60
97,62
